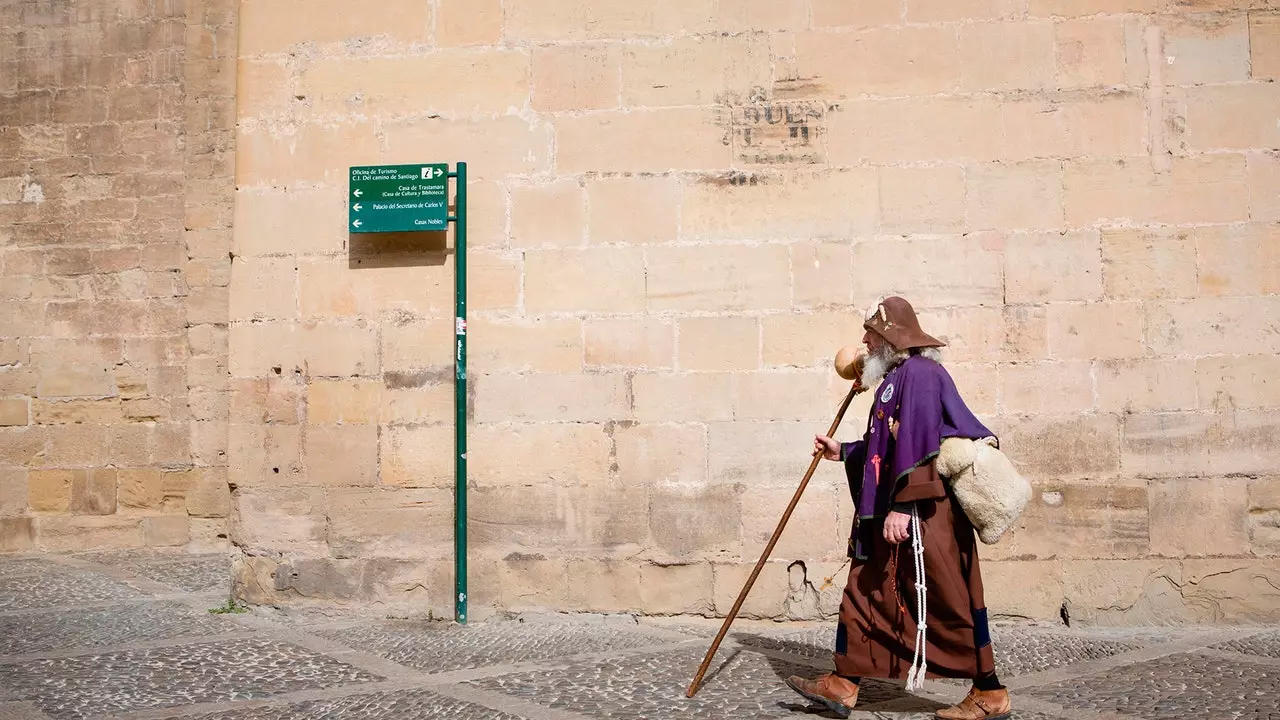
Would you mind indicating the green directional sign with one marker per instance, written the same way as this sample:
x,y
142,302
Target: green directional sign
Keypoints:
x,y
398,198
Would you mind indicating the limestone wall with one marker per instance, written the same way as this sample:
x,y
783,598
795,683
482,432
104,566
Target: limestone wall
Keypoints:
x,y
115,208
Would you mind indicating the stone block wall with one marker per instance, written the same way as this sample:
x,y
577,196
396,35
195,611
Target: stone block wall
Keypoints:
x,y
116,133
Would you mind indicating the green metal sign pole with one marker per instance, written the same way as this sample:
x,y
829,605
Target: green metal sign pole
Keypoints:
x,y
460,397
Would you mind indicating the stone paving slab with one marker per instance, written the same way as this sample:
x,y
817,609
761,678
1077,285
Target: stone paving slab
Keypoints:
x,y
1018,651
740,684
60,587
89,685
54,630
24,566
20,711
193,573
1262,645
402,705
1175,687
438,647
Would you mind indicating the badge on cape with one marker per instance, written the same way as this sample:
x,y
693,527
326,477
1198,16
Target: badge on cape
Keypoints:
x,y
887,395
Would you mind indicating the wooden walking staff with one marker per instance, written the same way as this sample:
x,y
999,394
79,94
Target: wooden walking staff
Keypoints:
x,y
849,364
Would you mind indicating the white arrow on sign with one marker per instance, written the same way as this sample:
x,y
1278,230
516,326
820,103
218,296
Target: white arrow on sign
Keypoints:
x,y
356,223
356,207
358,192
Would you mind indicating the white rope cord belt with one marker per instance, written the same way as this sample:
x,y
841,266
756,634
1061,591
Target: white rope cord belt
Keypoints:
x,y
915,677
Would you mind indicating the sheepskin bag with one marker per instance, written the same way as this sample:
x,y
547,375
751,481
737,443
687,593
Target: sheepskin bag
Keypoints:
x,y
986,484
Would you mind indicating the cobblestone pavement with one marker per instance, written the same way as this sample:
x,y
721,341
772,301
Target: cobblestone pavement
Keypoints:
x,y
129,635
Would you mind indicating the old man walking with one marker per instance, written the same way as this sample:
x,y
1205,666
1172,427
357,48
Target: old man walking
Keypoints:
x,y
909,524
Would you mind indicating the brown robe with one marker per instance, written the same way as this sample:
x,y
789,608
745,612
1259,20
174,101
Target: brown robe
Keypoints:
x,y
877,631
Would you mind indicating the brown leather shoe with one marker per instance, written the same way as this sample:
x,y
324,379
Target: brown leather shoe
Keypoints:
x,y
837,693
979,705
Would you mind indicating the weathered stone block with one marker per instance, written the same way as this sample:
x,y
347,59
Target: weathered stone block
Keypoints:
x,y
265,289
93,492
642,141
468,22
1046,387
812,533
552,214
694,70
1186,444
15,412
494,148
341,454
718,278
301,221
278,519
1238,260
264,454
1187,327
308,153
17,534
1148,264
1205,48
1264,187
1239,381
808,339
1145,385
605,586
418,456
768,597
593,280
1199,517
1025,195
784,395
1090,52
1123,592
922,199
1041,267
1230,117
718,344
1202,189
762,454
1091,123
380,86
715,531
1067,519
389,522
559,398
537,345
1045,447
582,454
333,402
1023,589
680,589
50,490
682,397
893,61
1095,330
985,49
1264,516
652,454
971,333
208,495
633,209
68,533
576,77
928,129
932,272
647,343
275,27
165,530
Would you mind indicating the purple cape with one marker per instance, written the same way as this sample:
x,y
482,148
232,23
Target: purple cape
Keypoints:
x,y
920,394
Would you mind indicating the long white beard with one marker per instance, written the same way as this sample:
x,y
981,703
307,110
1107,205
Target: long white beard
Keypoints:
x,y
886,358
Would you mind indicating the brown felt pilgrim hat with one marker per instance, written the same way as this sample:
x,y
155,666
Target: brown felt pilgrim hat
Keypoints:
x,y
895,320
